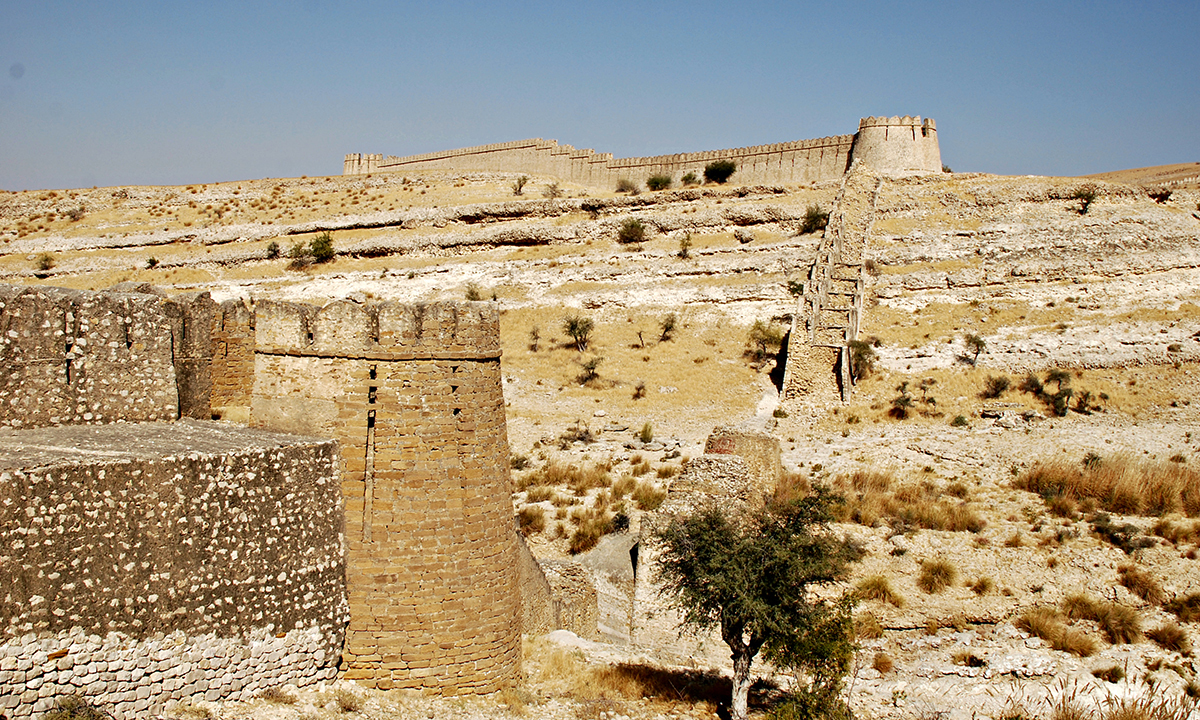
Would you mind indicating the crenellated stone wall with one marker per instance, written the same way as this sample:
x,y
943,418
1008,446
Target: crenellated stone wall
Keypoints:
x,y
413,395
148,562
892,145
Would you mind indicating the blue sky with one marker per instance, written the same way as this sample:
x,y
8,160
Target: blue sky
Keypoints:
x,y
162,92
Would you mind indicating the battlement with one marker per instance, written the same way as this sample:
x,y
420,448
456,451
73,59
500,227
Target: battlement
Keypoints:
x,y
379,331
825,158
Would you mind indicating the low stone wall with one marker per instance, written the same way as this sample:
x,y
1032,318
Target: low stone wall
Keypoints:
x,y
159,561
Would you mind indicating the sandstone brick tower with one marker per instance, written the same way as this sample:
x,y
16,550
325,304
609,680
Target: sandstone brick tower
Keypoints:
x,y
413,394
898,144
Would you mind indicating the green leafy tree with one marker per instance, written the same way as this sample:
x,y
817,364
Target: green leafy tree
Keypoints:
x,y
632,230
975,345
752,579
322,248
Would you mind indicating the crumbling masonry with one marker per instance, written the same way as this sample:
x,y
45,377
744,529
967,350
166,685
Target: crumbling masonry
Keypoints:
x,y
151,557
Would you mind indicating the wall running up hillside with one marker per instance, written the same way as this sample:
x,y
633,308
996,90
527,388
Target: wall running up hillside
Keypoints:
x,y
895,144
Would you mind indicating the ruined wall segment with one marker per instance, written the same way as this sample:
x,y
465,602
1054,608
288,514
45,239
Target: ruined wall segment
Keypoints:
x,y
890,145
232,361
74,357
413,394
159,561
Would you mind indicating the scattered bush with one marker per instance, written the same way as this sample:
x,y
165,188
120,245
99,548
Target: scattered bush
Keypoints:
x,y
646,434
518,462
472,294
658,182
592,526
936,576
903,402
151,262
995,386
552,191
719,171
689,178
539,493
590,369
579,478
877,587
1120,623
272,250
1112,674
685,247
518,186
639,390
76,214
959,421
347,700
815,220
44,262
867,627
975,345
631,231
579,328
667,326
626,185
862,359
1086,195
1169,636
278,695
870,500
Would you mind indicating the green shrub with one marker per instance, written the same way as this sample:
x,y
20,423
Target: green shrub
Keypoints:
x,y
472,294
44,262
646,434
151,262
689,178
685,247
322,248
518,186
272,250
719,171
862,357
995,386
815,220
1086,195
658,182
627,185
960,421
590,369
631,231
552,191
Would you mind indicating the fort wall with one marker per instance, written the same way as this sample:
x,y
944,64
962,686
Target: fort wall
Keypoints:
x,y
896,144
146,562
413,395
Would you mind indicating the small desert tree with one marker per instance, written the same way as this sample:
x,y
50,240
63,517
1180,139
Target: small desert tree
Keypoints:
x,y
752,579
975,345
579,328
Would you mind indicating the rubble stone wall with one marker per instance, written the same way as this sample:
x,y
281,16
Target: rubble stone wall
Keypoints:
x,y
158,561
232,361
413,395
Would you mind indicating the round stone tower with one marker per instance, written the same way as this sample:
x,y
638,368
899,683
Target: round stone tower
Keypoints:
x,y
898,144
413,394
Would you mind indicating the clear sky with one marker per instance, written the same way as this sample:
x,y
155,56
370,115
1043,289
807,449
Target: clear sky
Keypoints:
x,y
164,92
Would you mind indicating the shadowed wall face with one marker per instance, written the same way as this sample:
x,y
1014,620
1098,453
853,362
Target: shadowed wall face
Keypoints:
x,y
413,394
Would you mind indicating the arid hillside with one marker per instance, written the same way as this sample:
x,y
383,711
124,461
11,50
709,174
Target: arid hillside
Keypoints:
x,y
1024,410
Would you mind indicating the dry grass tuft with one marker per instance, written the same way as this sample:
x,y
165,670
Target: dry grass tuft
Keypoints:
x,y
872,498
1120,623
1186,608
936,575
1142,584
867,627
883,663
1170,636
648,496
982,586
277,695
877,587
579,478
532,519
1047,623
1122,484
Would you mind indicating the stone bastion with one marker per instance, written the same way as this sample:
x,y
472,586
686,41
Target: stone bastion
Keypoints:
x,y
150,556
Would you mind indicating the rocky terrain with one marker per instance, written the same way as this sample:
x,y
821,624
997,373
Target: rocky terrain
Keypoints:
x,y
973,281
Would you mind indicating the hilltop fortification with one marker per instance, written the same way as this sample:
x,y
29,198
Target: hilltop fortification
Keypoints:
x,y
888,144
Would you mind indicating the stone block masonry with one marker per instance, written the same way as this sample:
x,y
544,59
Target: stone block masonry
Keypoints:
x,y
157,561
890,145
413,395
